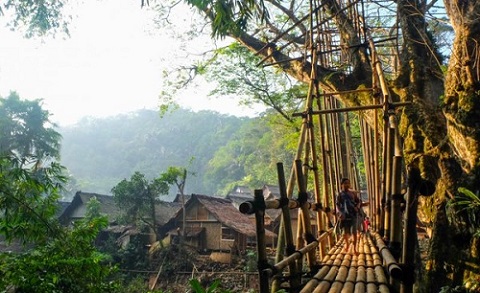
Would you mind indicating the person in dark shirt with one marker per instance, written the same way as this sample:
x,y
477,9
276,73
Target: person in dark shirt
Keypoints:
x,y
348,205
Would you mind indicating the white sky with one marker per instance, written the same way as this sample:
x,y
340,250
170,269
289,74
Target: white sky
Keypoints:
x,y
109,65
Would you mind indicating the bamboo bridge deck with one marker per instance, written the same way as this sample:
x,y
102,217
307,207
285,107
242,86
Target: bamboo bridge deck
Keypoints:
x,y
371,269
344,271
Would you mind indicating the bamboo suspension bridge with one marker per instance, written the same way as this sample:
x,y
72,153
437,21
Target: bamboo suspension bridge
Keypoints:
x,y
315,261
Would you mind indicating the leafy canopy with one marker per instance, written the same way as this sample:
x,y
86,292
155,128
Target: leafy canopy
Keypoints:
x,y
26,130
35,18
69,262
52,258
137,197
230,17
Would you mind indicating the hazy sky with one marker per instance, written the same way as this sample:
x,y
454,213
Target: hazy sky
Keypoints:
x,y
111,64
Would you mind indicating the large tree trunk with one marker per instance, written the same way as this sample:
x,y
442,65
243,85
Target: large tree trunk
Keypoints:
x,y
423,127
462,102
453,248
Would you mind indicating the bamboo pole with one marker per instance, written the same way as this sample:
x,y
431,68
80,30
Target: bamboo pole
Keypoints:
x,y
290,185
262,260
316,177
341,143
391,264
410,235
298,254
385,94
351,109
248,207
324,163
376,179
364,133
388,180
305,215
335,144
396,209
290,246
397,196
313,90
349,154
328,201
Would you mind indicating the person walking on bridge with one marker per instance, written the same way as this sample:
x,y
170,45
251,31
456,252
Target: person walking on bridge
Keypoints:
x,y
348,205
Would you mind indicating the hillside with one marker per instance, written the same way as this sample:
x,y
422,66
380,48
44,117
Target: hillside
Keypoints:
x,y
99,153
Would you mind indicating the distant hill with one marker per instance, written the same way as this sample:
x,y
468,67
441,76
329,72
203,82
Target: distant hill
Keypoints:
x,y
101,152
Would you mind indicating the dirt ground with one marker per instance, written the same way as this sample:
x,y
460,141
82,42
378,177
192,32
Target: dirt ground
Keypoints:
x,y
232,277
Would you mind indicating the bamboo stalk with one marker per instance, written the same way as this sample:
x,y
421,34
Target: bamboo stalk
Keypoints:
x,y
290,247
248,207
393,268
350,109
262,260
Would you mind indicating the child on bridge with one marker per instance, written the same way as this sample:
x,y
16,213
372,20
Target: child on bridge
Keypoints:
x,y
348,205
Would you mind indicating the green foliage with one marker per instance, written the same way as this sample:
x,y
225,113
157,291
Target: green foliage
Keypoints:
x,y
250,157
198,288
28,200
173,176
251,261
60,259
136,198
131,257
53,258
93,209
67,263
466,206
37,18
25,129
230,17
235,71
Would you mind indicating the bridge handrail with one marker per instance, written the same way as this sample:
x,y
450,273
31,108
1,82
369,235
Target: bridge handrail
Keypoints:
x,y
248,207
393,267
298,254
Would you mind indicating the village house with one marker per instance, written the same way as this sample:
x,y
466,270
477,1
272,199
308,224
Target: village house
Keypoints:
x,y
214,224
77,209
211,223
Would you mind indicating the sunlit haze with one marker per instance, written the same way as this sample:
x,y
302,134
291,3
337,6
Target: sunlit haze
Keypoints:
x,y
112,63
